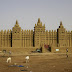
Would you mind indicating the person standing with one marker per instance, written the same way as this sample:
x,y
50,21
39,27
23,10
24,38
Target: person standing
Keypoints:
x,y
9,53
67,52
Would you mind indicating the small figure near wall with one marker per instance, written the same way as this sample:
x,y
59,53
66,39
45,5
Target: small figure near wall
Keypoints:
x,y
8,60
9,53
4,51
67,52
27,59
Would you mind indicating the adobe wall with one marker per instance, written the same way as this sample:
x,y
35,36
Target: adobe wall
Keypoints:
x,y
61,49
5,38
27,39
19,50
42,36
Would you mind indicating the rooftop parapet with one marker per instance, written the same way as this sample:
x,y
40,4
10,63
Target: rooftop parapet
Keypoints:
x,y
39,23
61,25
17,24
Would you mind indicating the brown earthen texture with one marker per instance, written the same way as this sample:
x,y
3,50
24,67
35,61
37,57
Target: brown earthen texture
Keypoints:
x,y
18,38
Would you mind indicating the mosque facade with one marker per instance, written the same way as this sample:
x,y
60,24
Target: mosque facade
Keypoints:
x,y
18,38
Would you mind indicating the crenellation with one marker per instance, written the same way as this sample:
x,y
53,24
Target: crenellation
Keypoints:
x,y
35,25
39,20
5,38
50,37
71,38
19,38
0,38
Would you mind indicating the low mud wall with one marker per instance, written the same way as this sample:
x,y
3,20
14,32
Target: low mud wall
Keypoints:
x,y
61,49
19,50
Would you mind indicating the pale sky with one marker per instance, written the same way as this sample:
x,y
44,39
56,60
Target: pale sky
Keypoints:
x,y
27,12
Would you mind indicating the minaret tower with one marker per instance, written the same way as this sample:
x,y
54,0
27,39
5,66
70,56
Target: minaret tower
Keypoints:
x,y
61,33
16,35
39,34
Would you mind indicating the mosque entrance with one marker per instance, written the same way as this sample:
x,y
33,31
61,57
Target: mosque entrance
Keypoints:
x,y
47,47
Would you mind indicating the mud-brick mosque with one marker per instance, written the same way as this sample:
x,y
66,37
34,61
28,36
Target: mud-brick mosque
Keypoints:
x,y
25,41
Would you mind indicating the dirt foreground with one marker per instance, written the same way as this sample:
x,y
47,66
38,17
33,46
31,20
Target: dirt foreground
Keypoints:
x,y
38,62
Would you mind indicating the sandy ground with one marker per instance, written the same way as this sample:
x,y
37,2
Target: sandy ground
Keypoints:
x,y
38,62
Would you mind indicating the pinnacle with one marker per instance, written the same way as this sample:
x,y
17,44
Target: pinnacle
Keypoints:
x,y
16,22
60,22
38,20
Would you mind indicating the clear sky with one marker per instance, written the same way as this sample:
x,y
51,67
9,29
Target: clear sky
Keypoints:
x,y
27,12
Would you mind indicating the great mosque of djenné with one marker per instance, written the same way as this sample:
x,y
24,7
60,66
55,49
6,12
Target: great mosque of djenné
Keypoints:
x,y
28,40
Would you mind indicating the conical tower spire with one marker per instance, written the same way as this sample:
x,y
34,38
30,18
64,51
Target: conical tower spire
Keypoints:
x,y
61,25
60,22
16,25
39,23
38,20
16,22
